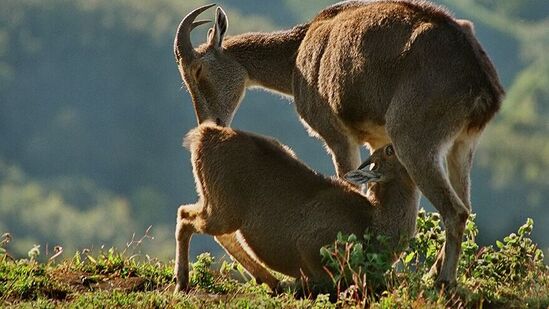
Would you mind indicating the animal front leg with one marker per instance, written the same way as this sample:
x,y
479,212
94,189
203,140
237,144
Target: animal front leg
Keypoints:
x,y
233,246
183,233
343,148
320,120
181,271
345,156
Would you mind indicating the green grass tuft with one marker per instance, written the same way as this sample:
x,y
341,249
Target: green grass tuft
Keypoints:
x,y
509,274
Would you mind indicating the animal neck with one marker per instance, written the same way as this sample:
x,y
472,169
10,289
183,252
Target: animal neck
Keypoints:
x,y
396,202
269,58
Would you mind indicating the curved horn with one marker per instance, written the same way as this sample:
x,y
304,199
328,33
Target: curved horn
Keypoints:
x,y
200,22
182,46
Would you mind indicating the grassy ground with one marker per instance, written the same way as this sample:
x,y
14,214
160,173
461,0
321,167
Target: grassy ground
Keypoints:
x,y
510,274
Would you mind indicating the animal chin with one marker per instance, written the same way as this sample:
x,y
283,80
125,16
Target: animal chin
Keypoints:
x,y
375,177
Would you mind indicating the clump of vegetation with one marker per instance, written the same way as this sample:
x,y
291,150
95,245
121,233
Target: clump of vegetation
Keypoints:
x,y
203,277
25,279
510,274
360,263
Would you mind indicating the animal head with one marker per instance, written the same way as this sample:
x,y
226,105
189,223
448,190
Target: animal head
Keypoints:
x,y
384,167
215,80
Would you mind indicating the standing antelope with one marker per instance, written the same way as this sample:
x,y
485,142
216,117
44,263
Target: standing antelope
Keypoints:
x,y
263,204
364,73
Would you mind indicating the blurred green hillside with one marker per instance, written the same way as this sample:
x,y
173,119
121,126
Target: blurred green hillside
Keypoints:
x,y
92,111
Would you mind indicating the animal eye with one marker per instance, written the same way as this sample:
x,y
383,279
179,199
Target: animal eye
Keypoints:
x,y
389,151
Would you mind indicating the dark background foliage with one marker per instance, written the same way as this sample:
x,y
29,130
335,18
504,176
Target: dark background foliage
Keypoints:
x,y
92,112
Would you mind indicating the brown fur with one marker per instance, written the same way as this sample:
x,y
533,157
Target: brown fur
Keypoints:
x,y
370,73
255,189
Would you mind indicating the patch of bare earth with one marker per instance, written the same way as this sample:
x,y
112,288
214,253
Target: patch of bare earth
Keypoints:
x,y
81,282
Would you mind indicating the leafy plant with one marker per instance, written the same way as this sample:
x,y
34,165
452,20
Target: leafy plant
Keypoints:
x,y
497,275
509,274
4,241
359,262
204,278
26,279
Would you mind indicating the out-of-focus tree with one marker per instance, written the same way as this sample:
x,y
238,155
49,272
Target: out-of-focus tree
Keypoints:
x,y
36,214
518,9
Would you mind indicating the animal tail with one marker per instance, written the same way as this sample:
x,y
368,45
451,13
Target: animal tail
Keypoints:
x,y
489,102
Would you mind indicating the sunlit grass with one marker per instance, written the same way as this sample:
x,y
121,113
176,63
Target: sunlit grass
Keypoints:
x,y
509,274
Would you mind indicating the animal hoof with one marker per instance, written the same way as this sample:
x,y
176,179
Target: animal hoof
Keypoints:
x,y
445,284
179,288
284,287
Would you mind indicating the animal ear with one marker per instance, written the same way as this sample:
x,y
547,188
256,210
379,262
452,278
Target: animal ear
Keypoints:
x,y
217,33
389,150
467,25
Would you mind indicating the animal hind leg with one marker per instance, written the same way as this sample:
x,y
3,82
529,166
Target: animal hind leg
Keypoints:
x,y
261,274
424,160
460,161
428,173
314,278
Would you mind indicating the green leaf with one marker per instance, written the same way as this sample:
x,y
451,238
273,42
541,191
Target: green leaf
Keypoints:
x,y
409,257
352,238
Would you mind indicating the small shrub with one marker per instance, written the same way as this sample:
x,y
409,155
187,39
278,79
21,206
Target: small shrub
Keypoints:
x,y
203,277
27,280
359,262
4,241
496,275
116,263
509,274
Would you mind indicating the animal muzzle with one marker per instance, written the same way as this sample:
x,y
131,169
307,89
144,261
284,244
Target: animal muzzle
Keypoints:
x,y
362,175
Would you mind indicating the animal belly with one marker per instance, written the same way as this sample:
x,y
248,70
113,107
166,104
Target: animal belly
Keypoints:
x,y
370,133
348,77
275,251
